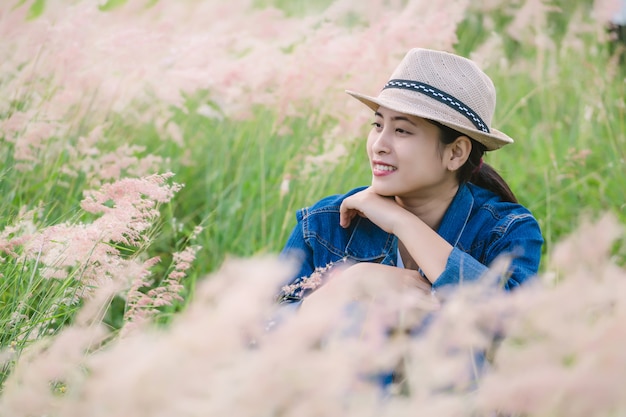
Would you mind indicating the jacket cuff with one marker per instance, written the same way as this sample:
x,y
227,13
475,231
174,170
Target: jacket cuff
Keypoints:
x,y
460,268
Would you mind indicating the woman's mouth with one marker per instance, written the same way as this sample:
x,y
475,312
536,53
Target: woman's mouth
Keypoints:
x,y
379,169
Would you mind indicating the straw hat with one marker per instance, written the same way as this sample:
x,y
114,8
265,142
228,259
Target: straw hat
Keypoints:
x,y
444,87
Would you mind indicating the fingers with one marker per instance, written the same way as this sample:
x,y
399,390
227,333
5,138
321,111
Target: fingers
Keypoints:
x,y
345,217
382,211
353,206
346,214
413,279
422,283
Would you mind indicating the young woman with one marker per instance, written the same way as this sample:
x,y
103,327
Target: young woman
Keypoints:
x,y
434,214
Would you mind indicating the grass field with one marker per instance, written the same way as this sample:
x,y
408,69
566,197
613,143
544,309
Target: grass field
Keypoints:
x,y
244,103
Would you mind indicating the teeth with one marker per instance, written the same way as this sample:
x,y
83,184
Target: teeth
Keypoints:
x,y
384,168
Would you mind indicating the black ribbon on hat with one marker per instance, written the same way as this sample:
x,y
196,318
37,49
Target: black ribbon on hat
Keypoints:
x,y
441,97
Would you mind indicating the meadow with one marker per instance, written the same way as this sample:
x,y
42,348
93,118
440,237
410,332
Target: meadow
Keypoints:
x,y
154,155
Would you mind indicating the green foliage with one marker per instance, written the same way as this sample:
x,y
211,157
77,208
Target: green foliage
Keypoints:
x,y
111,4
566,113
35,10
294,7
32,306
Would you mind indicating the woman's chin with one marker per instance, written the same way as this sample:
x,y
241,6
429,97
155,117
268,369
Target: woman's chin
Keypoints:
x,y
383,191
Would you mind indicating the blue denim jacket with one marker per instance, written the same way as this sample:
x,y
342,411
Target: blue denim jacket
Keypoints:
x,y
478,225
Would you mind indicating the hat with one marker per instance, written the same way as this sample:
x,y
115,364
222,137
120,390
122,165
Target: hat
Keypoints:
x,y
444,87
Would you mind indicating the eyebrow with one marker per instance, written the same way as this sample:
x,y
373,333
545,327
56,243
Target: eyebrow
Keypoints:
x,y
396,118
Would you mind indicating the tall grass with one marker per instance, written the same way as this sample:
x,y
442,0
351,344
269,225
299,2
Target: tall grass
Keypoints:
x,y
248,112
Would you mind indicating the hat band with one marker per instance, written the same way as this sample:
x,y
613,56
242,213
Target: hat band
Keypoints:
x,y
441,97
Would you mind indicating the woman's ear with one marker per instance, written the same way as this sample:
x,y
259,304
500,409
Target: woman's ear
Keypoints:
x,y
458,152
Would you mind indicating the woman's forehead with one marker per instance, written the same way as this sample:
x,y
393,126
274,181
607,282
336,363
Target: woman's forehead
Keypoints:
x,y
395,115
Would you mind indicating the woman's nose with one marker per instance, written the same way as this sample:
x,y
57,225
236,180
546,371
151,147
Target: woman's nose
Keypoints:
x,y
381,143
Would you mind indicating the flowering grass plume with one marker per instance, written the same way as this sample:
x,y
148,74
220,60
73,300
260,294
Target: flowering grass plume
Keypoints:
x,y
51,86
144,299
562,354
80,257
126,210
557,342
245,101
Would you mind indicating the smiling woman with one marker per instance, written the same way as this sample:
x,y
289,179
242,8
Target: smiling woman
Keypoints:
x,y
433,211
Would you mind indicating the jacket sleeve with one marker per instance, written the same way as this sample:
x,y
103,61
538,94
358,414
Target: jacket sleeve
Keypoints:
x,y
519,237
297,250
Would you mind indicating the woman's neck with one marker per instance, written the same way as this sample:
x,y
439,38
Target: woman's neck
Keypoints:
x,y
432,207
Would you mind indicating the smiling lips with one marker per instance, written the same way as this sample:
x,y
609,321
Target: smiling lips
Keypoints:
x,y
379,169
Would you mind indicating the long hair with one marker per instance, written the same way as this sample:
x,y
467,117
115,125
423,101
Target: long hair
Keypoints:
x,y
474,170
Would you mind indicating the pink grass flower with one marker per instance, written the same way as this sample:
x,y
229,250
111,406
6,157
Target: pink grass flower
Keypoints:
x,y
141,306
127,210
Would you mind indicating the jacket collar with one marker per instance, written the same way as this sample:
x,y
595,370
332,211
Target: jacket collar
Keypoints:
x,y
457,215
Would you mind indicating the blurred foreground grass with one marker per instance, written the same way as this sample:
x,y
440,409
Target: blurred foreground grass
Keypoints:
x,y
244,178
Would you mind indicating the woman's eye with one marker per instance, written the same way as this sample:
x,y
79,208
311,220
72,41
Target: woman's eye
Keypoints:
x,y
377,125
402,131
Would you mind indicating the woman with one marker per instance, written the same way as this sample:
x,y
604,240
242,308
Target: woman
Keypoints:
x,y
434,214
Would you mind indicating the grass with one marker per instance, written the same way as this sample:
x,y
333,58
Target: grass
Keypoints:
x,y
566,113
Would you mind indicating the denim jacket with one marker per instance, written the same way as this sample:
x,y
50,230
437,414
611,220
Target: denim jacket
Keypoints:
x,y
477,224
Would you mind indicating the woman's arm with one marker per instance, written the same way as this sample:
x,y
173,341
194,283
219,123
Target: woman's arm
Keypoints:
x,y
519,237
426,247
370,282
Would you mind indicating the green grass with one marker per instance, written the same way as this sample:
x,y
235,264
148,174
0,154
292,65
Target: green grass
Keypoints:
x,y
233,170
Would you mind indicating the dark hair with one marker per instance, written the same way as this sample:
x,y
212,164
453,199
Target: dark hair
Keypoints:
x,y
474,170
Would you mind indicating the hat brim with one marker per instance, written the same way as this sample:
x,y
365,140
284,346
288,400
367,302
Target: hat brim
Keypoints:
x,y
492,140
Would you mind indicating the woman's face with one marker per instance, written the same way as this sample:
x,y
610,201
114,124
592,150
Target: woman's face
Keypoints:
x,y
406,156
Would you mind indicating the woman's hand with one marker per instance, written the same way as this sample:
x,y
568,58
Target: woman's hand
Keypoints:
x,y
371,282
392,277
429,250
382,211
